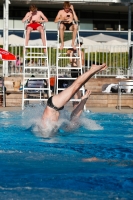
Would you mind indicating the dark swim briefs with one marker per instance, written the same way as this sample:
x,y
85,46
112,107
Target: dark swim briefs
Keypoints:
x,y
51,105
67,25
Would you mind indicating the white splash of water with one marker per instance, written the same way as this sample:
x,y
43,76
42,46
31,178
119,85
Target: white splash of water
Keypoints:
x,y
32,118
90,124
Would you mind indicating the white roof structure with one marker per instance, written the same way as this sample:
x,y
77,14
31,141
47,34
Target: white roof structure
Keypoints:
x,y
75,1
117,46
15,40
112,46
92,46
38,42
104,38
86,42
115,42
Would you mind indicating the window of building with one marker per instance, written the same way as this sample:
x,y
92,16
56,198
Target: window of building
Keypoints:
x,y
105,15
123,15
86,15
106,25
124,25
1,12
86,24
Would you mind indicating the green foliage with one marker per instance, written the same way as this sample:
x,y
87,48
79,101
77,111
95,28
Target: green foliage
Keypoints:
x,y
16,50
67,36
112,59
116,60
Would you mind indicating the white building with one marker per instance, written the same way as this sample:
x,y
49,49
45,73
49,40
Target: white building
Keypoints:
x,y
96,16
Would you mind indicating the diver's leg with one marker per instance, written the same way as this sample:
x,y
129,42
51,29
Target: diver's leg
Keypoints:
x,y
79,108
63,97
77,95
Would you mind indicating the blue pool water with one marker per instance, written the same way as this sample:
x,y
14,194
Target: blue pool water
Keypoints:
x,y
60,166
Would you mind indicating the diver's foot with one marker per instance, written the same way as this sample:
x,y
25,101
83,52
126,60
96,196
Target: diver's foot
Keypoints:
x,y
97,68
93,159
61,46
87,94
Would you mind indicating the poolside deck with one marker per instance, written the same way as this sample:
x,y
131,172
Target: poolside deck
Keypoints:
x,y
69,107
97,100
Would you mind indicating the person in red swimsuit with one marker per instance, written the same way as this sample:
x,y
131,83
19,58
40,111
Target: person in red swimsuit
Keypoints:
x,y
35,19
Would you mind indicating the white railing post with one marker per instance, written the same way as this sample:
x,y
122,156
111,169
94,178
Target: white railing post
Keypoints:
x,y
5,34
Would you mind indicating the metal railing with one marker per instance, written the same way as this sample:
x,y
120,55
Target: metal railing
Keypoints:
x,y
115,56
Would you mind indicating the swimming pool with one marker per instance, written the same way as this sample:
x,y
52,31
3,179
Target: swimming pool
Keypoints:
x,y
59,166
